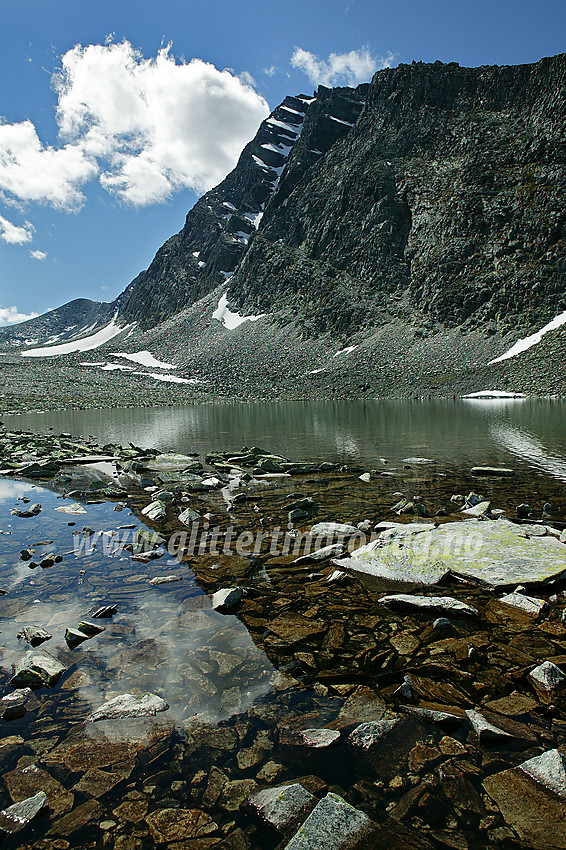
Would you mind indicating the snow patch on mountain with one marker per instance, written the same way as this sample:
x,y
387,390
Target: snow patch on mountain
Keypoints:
x,y
144,358
528,342
229,319
84,344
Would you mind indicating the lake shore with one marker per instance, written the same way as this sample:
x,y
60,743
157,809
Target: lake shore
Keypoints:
x,y
420,717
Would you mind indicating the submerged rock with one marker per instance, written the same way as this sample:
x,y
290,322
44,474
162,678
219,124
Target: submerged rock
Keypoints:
x,y
127,705
428,603
295,627
527,806
37,670
283,808
333,825
366,735
316,738
34,635
16,817
181,825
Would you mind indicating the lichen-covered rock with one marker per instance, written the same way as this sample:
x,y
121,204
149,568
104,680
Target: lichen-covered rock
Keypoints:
x,y
284,808
333,825
16,817
127,705
37,670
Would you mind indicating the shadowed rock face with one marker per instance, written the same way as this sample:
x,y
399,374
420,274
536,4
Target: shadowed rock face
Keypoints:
x,y
433,191
443,199
219,227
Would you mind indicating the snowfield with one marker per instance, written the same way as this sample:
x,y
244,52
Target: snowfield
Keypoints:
x,y
85,344
526,343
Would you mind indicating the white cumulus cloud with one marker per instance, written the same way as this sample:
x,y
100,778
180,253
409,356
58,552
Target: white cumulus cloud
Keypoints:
x,y
145,127
32,171
346,69
13,234
38,255
11,316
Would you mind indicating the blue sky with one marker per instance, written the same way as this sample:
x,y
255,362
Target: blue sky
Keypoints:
x,y
105,143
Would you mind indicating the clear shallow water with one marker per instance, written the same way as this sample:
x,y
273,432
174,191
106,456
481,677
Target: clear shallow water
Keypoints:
x,y
528,434
164,639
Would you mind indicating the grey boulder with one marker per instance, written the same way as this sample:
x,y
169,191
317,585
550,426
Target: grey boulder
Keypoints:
x,y
127,705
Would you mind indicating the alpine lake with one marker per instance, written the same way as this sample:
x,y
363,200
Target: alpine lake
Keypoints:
x,y
177,673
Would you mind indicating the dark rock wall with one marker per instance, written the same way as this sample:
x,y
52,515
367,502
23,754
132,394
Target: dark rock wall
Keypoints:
x,y
444,204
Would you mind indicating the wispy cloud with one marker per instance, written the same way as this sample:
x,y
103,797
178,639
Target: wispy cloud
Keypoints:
x,y
145,128
348,69
38,255
11,316
13,234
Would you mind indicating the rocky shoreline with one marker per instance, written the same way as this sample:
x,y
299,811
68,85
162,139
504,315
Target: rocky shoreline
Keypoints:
x,y
365,711
277,363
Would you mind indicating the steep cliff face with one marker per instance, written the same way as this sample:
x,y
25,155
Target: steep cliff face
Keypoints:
x,y
219,227
442,205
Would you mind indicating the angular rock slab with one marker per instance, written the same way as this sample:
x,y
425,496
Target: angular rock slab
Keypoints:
x,y
226,599
536,815
155,511
167,825
333,825
367,735
294,627
498,552
34,635
444,719
528,604
487,732
332,551
127,705
547,677
549,769
333,529
37,670
318,739
16,817
429,603
284,808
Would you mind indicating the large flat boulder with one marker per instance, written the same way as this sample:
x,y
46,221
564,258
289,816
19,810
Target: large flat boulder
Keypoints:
x,y
498,552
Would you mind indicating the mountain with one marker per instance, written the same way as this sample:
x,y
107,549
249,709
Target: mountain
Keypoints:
x,y
74,320
396,237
